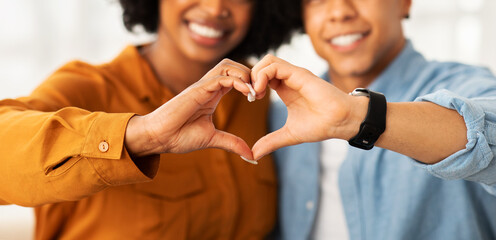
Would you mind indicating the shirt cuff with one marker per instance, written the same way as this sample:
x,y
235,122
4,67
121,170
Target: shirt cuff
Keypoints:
x,y
104,148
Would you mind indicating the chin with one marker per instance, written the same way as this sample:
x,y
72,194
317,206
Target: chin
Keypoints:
x,y
355,68
357,73
351,72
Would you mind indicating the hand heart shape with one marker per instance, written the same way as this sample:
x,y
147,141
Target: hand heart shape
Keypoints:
x,y
316,111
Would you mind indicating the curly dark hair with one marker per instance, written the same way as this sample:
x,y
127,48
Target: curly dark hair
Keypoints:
x,y
272,23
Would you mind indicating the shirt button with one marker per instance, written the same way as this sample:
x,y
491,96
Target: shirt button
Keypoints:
x,y
309,205
103,146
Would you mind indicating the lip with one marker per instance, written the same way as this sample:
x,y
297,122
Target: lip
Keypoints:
x,y
207,41
350,47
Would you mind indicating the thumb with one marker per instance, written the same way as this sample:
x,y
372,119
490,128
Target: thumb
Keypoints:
x,y
273,141
230,143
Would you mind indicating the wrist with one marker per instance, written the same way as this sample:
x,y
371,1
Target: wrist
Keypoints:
x,y
375,121
358,112
134,140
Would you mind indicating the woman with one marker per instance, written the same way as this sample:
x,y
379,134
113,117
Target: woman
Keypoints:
x,y
76,149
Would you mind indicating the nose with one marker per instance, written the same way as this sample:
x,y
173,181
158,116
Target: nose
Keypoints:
x,y
341,10
215,8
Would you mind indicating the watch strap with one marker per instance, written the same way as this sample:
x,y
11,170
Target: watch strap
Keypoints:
x,y
375,122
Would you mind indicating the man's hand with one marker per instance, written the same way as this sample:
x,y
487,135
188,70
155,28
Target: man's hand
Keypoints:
x,y
316,109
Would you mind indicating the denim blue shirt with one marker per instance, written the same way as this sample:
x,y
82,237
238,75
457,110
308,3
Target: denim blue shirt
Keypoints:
x,y
387,195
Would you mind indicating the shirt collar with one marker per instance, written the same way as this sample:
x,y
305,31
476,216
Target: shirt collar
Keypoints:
x,y
136,72
404,68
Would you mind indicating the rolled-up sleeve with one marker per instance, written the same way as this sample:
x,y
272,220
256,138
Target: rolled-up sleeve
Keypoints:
x,y
477,161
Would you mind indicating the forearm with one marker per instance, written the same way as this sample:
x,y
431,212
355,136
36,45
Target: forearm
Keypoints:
x,y
475,162
423,131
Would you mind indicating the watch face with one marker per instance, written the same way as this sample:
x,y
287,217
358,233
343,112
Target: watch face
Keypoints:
x,y
360,92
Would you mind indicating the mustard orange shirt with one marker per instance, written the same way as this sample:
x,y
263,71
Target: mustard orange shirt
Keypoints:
x,y
62,151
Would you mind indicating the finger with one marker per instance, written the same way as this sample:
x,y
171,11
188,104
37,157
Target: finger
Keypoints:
x,y
257,83
201,93
231,68
238,65
266,60
270,68
218,83
223,84
186,103
261,95
273,141
236,83
233,71
240,71
282,72
227,67
274,83
239,85
230,143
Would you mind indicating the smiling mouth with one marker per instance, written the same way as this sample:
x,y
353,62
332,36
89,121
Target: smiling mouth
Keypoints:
x,y
205,31
347,39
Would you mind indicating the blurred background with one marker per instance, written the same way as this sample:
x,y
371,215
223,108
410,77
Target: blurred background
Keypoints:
x,y
37,37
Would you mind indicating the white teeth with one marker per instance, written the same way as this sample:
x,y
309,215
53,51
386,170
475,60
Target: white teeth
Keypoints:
x,y
205,31
345,40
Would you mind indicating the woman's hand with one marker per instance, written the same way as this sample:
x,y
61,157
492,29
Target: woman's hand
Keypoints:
x,y
184,123
316,109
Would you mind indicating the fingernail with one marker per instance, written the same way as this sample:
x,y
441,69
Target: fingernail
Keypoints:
x,y
251,98
250,161
251,95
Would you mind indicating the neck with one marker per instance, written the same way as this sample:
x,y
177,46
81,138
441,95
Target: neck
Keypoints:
x,y
348,82
172,68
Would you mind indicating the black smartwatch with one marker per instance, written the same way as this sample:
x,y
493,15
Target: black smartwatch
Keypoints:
x,y
375,121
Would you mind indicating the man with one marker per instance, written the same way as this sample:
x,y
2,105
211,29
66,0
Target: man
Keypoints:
x,y
447,192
